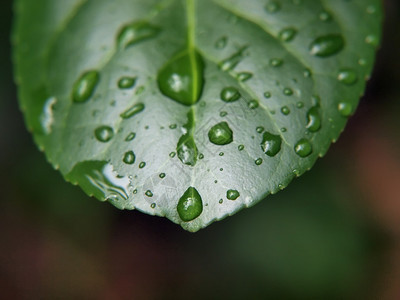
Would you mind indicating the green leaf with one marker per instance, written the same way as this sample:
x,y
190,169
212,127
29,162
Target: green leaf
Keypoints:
x,y
191,109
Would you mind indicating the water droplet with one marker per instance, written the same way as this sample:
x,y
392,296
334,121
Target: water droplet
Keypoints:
x,y
221,201
201,156
130,137
285,110
162,175
221,42
231,62
221,169
221,154
232,194
303,148
283,129
327,45
276,62
172,126
149,193
132,111
153,205
142,165
253,104
140,90
104,134
372,40
271,144
272,7
288,91
220,134
307,73
182,78
186,148
47,117
230,94
296,172
347,76
190,205
313,119
172,154
129,158
85,86
287,34
136,32
258,161
299,104
223,114
260,129
325,16
267,95
345,109
240,147
244,76
127,82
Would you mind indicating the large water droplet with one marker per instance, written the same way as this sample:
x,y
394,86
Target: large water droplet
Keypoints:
x,y
327,45
220,134
186,148
271,144
133,110
230,94
190,205
104,134
182,78
347,76
313,119
136,32
232,194
99,179
129,158
287,34
85,86
127,82
303,148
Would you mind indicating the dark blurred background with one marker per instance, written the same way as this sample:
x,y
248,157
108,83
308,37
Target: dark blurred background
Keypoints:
x,y
334,233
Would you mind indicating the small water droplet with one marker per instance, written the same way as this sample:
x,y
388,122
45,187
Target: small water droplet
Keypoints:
x,y
190,205
172,154
285,110
85,86
307,73
142,165
221,154
134,191
345,109
127,82
133,110
313,119
287,34
260,129
325,16
153,205
347,76
182,78
299,104
186,147
149,193
327,45
271,144
240,147
244,76
232,194
162,175
172,126
296,172
267,95
220,134
136,32
231,62
258,161
129,158
221,201
223,114
221,169
283,129
221,42
201,156
230,94
303,148
104,134
372,40
288,91
272,7
253,104
276,62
